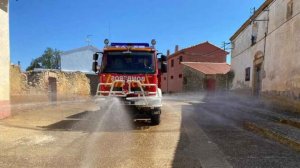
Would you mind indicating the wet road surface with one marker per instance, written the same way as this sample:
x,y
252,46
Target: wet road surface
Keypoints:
x,y
195,131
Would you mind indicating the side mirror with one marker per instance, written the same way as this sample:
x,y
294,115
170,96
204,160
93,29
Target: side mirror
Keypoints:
x,y
164,67
163,58
95,64
95,57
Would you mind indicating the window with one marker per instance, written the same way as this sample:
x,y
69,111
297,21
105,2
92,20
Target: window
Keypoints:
x,y
254,33
253,40
135,62
289,11
247,74
180,75
171,77
172,63
180,59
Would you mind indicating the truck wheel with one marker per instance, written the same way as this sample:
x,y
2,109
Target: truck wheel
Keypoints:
x,y
155,119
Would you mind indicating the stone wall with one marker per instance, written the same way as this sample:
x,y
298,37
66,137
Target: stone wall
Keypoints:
x,y
282,101
194,80
74,83
36,86
222,82
18,81
282,61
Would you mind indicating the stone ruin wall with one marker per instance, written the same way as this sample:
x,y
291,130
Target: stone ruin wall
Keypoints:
x,y
34,86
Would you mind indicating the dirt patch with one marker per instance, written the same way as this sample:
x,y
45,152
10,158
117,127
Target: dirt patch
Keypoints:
x,y
36,140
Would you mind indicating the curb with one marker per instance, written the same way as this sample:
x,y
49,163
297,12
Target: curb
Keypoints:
x,y
282,120
272,135
290,122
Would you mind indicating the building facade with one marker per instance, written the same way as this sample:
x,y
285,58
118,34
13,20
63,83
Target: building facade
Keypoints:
x,y
79,59
200,76
266,49
4,60
172,81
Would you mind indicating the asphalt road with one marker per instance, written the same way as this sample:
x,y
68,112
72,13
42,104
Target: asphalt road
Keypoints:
x,y
195,131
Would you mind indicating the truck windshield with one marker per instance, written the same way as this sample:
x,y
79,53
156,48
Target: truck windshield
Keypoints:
x,y
132,62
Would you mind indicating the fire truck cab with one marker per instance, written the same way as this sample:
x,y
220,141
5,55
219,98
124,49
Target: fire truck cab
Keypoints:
x,y
131,72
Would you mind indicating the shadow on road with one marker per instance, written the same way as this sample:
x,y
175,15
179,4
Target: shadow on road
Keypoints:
x,y
186,154
96,121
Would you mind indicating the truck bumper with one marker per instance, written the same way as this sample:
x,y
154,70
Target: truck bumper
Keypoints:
x,y
142,101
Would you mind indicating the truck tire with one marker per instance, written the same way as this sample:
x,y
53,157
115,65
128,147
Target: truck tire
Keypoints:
x,y
155,119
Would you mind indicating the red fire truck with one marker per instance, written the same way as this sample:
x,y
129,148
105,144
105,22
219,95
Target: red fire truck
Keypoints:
x,y
131,72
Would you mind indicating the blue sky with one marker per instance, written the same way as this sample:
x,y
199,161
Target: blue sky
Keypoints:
x,y
64,24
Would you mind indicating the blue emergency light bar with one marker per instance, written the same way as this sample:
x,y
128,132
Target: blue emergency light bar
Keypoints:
x,y
130,44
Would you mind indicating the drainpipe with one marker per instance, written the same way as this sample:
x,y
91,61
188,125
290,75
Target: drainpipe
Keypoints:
x,y
267,31
265,46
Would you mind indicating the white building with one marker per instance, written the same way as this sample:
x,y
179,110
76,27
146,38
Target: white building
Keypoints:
x,y
4,60
79,59
266,51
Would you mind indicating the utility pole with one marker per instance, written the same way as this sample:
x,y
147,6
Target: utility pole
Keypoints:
x,y
225,44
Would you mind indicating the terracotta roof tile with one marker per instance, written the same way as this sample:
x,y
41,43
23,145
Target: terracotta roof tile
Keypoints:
x,y
209,68
204,48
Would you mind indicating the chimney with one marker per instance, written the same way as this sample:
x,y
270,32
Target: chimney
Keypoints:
x,y
176,48
168,52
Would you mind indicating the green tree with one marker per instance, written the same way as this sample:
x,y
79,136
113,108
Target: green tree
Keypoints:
x,y
49,60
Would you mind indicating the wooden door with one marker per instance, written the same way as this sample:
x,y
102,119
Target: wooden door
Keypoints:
x,y
257,80
52,89
211,84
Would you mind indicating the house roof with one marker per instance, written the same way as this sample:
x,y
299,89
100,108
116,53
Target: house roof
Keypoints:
x,y
3,5
248,22
206,48
208,68
92,48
